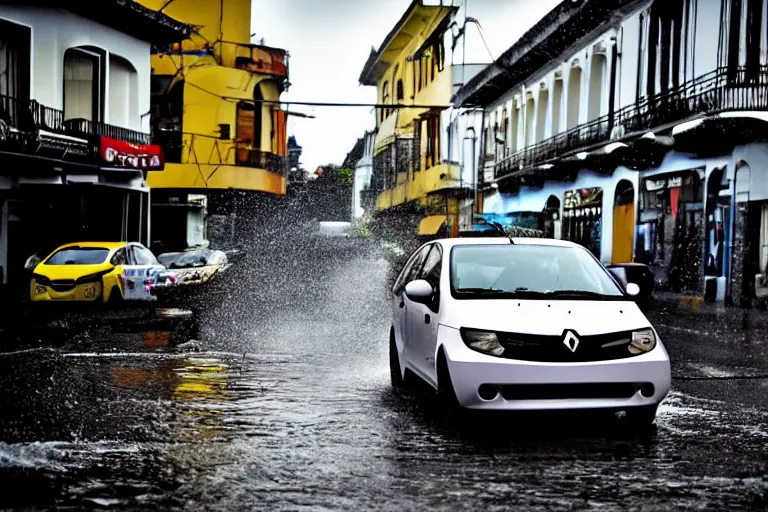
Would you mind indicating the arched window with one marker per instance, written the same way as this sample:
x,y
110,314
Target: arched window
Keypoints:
x,y
385,99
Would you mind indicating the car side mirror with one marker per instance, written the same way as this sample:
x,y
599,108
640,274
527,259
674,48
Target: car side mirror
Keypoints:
x,y
419,291
633,290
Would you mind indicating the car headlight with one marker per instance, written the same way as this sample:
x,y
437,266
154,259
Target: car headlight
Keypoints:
x,y
642,342
39,289
482,341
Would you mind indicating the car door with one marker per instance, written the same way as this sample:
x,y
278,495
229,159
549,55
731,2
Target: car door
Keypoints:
x,y
399,307
423,319
142,270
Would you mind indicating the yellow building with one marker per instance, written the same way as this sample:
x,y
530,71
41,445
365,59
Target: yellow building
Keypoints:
x,y
216,111
412,177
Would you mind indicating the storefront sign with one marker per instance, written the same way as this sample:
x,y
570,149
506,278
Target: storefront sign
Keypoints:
x,y
124,155
655,185
675,182
583,198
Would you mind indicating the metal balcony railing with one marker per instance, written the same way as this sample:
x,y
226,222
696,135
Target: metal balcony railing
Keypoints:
x,y
30,116
715,92
262,160
401,156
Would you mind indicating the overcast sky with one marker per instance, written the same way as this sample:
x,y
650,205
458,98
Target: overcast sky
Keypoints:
x,y
329,42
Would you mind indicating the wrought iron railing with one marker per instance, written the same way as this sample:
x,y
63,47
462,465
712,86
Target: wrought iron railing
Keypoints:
x,y
262,160
28,116
401,156
718,91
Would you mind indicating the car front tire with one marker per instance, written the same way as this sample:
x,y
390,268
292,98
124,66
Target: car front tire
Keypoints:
x,y
446,393
642,417
395,375
115,297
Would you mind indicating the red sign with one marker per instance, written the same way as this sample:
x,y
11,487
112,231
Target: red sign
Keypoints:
x,y
268,61
124,155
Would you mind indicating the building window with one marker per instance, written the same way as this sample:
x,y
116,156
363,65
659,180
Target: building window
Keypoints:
x,y
83,85
14,70
400,91
504,135
385,100
258,115
667,25
741,50
167,109
432,153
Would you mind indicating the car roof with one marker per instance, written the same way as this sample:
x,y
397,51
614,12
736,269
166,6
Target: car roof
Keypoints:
x,y
95,245
452,242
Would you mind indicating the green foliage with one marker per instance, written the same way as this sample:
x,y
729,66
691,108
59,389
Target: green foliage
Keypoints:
x,y
347,176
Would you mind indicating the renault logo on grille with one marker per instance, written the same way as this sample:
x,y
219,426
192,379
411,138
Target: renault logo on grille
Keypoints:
x,y
571,341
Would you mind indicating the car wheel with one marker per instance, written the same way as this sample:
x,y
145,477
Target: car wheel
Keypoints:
x,y
115,297
394,365
445,392
641,417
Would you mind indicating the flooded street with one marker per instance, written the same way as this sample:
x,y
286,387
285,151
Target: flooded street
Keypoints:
x,y
282,401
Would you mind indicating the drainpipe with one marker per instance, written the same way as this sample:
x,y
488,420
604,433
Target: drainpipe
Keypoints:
x,y
479,161
473,138
612,92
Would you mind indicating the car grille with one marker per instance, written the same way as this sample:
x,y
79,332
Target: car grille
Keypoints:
x,y
62,285
552,349
569,391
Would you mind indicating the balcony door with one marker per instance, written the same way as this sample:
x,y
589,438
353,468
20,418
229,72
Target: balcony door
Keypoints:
x,y
14,71
83,85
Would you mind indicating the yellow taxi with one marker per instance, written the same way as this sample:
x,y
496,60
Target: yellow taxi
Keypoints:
x,y
97,272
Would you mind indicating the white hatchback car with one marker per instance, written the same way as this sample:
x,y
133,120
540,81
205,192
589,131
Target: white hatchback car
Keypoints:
x,y
524,324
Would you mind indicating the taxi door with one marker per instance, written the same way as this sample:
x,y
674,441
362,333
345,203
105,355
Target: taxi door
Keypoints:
x,y
140,273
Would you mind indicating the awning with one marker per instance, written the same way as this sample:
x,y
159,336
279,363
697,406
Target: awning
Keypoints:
x,y
431,225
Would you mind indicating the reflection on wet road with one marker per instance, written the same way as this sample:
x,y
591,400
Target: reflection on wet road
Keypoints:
x,y
285,404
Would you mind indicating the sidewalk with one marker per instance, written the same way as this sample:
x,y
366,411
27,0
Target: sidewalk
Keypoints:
x,y
717,317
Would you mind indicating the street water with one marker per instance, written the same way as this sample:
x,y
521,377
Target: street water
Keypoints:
x,y
279,399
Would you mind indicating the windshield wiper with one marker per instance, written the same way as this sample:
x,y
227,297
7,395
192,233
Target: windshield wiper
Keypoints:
x,y
481,290
578,293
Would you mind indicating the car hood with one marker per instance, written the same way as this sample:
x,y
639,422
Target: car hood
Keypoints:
x,y
544,317
55,272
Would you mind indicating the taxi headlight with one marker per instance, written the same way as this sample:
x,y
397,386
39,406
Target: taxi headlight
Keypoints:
x,y
642,342
482,341
39,289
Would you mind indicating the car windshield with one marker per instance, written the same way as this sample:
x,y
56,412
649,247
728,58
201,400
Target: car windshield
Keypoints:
x,y
79,256
530,271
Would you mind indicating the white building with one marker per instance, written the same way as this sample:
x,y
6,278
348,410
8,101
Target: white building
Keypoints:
x,y
363,174
635,127
74,124
479,31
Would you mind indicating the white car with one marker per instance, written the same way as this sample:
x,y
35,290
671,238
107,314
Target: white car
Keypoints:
x,y
524,324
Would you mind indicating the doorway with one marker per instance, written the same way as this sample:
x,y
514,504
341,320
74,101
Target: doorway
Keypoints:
x,y
552,222
623,223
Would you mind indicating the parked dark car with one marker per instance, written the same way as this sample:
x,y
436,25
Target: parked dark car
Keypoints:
x,y
637,273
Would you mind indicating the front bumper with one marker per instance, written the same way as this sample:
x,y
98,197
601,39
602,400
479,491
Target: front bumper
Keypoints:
x,y
525,385
86,292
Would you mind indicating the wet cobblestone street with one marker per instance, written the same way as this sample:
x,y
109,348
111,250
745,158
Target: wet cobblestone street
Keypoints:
x,y
284,403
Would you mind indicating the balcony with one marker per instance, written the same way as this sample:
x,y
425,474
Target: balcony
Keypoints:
x,y
262,160
715,92
28,117
398,158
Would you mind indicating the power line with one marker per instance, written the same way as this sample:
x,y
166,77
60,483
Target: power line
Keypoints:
x,y
393,106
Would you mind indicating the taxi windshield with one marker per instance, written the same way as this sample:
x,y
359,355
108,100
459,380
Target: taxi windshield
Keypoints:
x,y
79,256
